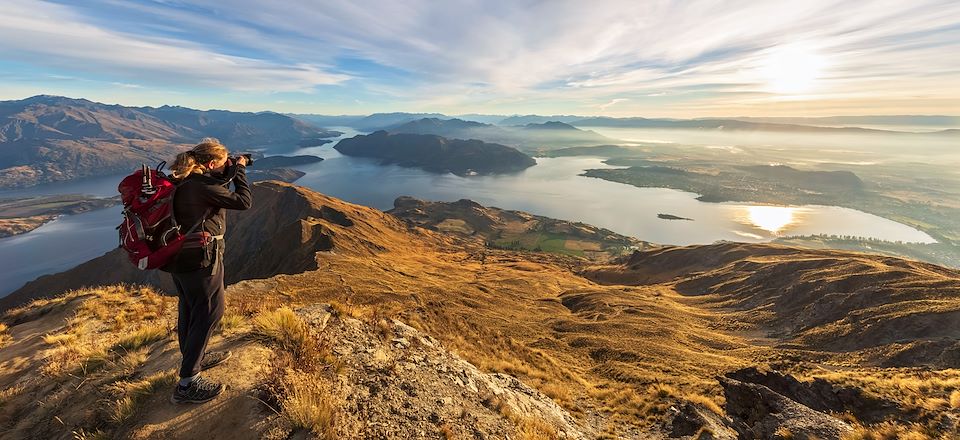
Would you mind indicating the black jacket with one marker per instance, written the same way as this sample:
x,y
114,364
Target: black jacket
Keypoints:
x,y
200,195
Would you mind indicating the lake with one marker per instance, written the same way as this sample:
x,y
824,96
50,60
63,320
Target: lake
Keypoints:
x,y
552,188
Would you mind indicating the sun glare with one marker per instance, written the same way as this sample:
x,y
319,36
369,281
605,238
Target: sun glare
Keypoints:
x,y
770,218
792,69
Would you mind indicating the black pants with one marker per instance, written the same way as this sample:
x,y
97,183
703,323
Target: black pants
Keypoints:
x,y
200,309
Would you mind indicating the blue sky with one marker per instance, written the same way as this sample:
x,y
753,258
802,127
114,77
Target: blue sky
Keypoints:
x,y
618,58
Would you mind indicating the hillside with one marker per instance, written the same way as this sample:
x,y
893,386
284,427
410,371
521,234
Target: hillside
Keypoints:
x,y
51,138
504,229
435,335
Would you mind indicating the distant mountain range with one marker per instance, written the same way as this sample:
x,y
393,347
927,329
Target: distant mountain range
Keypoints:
x,y
725,124
529,137
53,138
862,124
893,120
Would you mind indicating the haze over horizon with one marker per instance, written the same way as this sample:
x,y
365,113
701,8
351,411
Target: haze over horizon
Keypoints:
x,y
661,59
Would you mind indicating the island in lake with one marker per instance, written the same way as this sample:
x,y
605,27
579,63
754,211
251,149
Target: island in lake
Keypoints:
x,y
672,217
436,153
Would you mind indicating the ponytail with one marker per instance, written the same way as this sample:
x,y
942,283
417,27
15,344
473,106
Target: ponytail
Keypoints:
x,y
194,161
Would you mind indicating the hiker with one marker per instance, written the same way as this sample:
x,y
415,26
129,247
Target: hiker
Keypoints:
x,y
202,198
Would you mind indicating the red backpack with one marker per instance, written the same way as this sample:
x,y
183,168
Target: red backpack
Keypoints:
x,y
149,232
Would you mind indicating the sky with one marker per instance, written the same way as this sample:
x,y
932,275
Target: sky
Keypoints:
x,y
649,58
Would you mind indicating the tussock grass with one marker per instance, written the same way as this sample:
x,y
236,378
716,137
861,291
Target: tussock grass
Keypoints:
x,y
892,431
143,337
5,338
784,433
349,309
535,429
82,434
560,393
282,327
231,321
9,393
706,402
60,339
308,405
135,393
288,331
84,358
923,394
133,359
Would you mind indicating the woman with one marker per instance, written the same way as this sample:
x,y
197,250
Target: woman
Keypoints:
x,y
202,199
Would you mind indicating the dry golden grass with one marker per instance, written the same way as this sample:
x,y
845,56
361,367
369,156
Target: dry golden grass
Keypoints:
x,y
104,319
706,402
133,359
308,405
928,391
784,433
5,338
232,322
143,337
535,429
892,431
955,399
82,434
282,327
349,309
9,393
134,393
76,357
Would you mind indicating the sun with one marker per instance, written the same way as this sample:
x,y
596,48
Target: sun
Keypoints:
x,y
771,218
792,69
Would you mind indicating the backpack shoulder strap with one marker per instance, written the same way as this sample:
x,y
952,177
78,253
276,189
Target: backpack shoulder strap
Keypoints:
x,y
206,214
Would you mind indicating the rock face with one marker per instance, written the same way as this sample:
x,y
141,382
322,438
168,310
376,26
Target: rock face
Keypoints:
x,y
694,421
437,154
411,386
760,413
819,394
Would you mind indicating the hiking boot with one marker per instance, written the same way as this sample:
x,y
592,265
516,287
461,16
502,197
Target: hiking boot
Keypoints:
x,y
214,358
199,391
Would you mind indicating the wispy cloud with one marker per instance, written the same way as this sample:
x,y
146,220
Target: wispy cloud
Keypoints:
x,y
55,36
472,55
612,102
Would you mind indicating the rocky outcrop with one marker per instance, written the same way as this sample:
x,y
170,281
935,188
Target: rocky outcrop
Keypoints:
x,y
694,421
757,412
398,382
819,394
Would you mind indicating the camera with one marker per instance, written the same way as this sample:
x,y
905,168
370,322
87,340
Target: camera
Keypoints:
x,y
249,157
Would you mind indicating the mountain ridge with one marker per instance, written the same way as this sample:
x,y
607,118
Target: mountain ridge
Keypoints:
x,y
52,138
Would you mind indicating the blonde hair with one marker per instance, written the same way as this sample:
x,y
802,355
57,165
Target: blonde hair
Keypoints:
x,y
194,160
